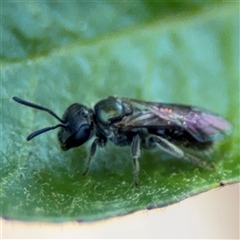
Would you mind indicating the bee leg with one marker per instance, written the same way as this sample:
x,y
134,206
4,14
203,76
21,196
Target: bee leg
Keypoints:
x,y
97,142
135,153
177,152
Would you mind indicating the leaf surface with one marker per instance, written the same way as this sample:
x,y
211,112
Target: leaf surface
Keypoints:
x,y
55,54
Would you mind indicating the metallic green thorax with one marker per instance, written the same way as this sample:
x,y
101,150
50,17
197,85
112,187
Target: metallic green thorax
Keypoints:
x,y
110,110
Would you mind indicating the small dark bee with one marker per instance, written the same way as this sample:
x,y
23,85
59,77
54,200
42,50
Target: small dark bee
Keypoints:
x,y
140,124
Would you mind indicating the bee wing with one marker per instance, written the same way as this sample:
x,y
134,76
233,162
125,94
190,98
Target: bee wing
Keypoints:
x,y
201,124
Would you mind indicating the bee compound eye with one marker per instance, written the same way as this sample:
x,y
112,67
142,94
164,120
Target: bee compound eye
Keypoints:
x,y
76,139
83,134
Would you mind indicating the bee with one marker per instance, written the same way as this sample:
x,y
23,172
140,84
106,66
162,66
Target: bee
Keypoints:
x,y
138,124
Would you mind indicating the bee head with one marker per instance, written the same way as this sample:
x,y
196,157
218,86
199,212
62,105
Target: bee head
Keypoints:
x,y
76,125
78,128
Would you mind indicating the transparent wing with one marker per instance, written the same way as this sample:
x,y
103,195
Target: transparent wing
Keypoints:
x,y
203,125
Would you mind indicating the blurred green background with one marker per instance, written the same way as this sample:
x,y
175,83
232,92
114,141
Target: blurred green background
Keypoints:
x,y
57,53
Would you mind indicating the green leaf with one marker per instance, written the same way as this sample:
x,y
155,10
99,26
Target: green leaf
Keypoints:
x,y
57,53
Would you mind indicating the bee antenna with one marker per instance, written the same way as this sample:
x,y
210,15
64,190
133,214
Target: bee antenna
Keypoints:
x,y
33,105
43,130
